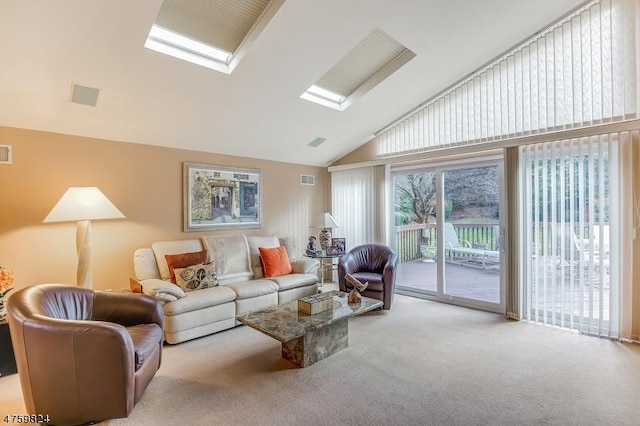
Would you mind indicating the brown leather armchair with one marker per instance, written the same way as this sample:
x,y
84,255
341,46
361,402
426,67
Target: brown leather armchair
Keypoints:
x,y
372,263
83,355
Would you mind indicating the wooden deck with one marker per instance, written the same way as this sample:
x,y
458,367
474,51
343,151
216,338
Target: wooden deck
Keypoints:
x,y
461,280
558,292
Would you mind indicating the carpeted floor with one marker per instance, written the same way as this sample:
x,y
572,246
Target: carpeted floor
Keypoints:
x,y
422,363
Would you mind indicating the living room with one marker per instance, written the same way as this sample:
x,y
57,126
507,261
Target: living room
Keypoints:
x,y
134,150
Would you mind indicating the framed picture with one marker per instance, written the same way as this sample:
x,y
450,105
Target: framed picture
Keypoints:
x,y
332,251
218,197
338,244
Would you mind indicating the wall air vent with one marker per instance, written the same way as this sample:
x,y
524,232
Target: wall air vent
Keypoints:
x,y
5,154
307,180
84,95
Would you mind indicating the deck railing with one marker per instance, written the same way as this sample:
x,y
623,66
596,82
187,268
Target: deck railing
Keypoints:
x,y
411,240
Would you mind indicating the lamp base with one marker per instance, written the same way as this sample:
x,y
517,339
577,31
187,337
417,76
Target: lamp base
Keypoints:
x,y
83,243
325,238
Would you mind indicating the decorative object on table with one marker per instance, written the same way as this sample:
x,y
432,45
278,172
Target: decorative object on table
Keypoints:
x,y
325,222
312,247
315,303
6,281
217,197
358,287
82,205
428,253
338,245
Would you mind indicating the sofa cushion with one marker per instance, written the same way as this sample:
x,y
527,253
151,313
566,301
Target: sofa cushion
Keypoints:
x,y
162,248
255,242
200,299
183,260
231,254
253,288
275,261
145,338
196,277
286,282
144,264
290,244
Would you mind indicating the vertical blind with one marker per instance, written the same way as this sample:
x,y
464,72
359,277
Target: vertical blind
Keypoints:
x,y
354,205
577,72
570,233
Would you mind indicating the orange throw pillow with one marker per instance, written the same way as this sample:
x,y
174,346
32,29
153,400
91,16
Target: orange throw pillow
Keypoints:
x,y
184,260
275,261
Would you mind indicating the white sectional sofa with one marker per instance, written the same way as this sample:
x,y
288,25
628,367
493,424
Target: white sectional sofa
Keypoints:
x,y
242,285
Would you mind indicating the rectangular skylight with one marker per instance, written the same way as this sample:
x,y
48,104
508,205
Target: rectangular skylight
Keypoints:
x,y
159,35
324,97
212,33
372,60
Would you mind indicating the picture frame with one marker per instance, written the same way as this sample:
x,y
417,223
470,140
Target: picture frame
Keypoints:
x,y
220,197
338,246
332,251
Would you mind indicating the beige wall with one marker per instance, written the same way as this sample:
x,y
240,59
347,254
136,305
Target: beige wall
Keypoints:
x,y
144,182
364,153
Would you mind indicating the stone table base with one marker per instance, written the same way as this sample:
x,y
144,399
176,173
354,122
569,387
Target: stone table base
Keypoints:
x,y
318,344
307,339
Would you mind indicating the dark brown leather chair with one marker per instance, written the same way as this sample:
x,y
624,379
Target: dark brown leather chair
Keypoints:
x,y
372,263
84,355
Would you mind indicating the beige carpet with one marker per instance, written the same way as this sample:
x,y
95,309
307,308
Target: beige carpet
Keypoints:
x,y
422,363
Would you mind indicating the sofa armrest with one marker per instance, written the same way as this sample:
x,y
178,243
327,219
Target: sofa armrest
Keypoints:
x,y
126,309
135,285
305,266
58,355
164,291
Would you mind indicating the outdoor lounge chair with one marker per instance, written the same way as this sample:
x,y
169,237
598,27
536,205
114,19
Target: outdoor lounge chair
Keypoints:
x,y
463,253
575,254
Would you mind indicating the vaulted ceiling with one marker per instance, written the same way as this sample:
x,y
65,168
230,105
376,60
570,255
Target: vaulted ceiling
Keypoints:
x,y
256,111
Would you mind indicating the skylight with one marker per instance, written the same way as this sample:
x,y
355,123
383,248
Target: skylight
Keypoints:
x,y
174,44
211,33
323,97
372,60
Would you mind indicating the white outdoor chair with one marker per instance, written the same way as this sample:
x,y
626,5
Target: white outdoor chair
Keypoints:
x,y
461,251
576,254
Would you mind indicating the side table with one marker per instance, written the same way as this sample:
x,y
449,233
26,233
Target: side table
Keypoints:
x,y
7,359
324,264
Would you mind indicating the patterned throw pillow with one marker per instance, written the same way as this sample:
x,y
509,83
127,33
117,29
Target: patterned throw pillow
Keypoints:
x,y
197,277
183,260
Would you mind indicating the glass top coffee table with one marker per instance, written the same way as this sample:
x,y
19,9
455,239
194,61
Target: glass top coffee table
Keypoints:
x,y
307,339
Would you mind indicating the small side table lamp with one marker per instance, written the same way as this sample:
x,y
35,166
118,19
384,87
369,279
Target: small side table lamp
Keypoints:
x,y
83,204
325,222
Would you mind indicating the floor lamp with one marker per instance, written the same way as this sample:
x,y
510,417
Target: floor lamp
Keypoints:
x,y
83,204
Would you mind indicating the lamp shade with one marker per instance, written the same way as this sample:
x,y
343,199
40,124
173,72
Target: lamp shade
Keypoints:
x,y
83,203
324,221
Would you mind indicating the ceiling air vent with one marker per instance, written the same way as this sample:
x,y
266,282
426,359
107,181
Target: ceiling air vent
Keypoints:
x,y
5,154
307,180
84,95
316,142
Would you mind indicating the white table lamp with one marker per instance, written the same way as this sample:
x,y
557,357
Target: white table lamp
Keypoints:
x,y
83,204
325,222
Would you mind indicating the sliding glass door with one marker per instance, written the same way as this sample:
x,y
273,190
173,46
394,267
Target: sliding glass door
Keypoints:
x,y
471,230
448,233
